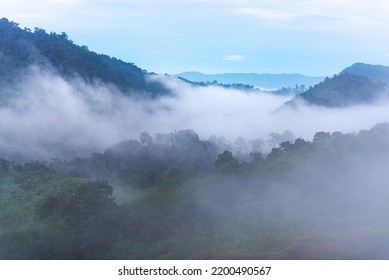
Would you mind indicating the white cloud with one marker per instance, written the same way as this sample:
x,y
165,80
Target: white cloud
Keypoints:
x,y
356,12
268,14
233,57
344,14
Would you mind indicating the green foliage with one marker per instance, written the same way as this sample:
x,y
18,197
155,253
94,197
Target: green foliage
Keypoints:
x,y
324,199
20,244
225,162
46,215
141,165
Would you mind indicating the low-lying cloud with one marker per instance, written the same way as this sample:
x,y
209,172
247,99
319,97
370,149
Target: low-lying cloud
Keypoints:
x,y
45,113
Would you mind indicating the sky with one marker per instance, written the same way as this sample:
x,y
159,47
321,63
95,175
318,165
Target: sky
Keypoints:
x,y
311,37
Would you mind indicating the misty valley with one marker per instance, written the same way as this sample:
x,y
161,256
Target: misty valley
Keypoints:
x,y
100,159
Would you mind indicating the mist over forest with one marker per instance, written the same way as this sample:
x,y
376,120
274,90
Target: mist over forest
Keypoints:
x,y
46,115
100,159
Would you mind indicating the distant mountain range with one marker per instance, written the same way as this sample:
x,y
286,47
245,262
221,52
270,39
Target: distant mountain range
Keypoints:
x,y
266,81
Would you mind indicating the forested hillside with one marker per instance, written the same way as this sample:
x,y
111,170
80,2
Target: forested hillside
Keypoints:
x,y
375,73
320,199
343,90
21,48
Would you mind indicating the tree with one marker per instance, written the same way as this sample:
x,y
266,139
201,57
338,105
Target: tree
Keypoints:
x,y
321,136
226,162
5,165
145,138
256,157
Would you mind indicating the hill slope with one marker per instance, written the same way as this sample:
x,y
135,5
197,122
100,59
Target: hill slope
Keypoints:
x,y
350,87
21,48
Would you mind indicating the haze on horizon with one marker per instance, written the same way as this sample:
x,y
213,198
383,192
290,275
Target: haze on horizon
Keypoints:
x,y
316,38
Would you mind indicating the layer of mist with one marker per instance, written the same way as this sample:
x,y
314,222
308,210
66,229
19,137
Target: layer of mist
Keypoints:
x,y
45,115
177,195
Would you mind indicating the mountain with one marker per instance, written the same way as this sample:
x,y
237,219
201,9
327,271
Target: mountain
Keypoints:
x,y
375,73
268,81
21,48
357,84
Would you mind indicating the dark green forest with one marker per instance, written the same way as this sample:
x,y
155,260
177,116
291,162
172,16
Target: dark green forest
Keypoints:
x,y
22,48
174,197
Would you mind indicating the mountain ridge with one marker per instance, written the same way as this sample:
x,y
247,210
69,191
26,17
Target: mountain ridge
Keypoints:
x,y
21,48
264,80
375,73
359,83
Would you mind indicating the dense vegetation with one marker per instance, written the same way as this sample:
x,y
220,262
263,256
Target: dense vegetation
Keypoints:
x,y
140,164
321,199
21,48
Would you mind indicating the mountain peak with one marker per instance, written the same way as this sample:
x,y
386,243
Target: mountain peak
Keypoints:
x,y
375,73
342,90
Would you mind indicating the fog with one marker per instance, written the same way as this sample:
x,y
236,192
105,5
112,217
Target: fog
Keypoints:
x,y
322,199
45,115
325,202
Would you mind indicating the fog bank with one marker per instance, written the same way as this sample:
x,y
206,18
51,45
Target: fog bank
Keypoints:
x,y
46,115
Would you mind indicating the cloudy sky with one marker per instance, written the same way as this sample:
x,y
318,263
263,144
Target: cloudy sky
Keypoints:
x,y
312,37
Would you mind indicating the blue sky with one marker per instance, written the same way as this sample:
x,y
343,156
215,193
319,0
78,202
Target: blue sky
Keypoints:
x,y
312,37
